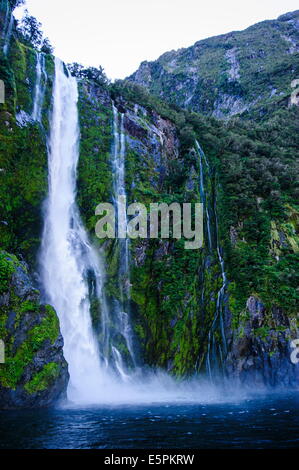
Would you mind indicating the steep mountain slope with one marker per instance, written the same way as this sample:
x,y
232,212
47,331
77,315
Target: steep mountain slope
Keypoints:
x,y
229,74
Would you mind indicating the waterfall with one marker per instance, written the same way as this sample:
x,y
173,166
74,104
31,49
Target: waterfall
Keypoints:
x,y
213,245
72,273
7,28
7,16
204,197
40,87
66,254
122,306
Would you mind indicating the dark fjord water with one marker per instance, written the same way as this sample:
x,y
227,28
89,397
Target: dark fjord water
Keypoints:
x,y
263,422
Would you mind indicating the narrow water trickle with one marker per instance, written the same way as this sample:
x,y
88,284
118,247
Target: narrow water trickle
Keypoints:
x,y
6,17
40,87
122,306
215,351
7,31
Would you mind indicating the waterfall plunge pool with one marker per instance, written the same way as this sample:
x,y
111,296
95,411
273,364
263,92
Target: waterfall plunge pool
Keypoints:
x,y
265,422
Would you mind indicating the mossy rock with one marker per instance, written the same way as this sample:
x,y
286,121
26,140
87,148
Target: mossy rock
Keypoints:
x,y
35,372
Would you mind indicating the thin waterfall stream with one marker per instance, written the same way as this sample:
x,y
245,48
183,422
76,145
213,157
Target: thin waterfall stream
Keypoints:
x,y
210,212
40,87
122,306
7,29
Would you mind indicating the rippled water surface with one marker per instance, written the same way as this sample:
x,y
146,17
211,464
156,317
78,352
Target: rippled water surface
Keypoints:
x,y
264,422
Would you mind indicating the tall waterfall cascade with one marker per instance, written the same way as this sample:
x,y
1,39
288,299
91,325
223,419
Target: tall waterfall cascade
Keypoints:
x,y
67,255
216,351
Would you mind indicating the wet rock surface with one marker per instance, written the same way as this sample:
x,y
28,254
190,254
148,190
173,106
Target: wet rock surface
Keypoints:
x,y
35,373
260,349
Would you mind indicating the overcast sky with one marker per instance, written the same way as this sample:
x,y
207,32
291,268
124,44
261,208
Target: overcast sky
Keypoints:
x,y
119,34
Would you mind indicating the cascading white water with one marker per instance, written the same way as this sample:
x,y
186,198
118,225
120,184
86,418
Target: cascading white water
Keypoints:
x,y
40,87
218,317
119,189
7,32
66,254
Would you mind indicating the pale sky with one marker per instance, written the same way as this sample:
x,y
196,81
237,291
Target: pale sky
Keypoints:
x,y
119,34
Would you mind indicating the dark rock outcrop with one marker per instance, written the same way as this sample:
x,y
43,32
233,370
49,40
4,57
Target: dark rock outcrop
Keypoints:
x,y
260,350
34,372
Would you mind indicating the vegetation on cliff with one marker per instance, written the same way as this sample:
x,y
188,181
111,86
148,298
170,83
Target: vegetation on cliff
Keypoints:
x,y
230,74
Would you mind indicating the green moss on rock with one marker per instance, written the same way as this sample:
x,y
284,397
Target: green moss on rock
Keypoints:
x,y
43,379
34,360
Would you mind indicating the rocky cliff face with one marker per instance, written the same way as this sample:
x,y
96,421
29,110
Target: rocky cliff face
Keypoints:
x,y
34,372
229,74
174,292
154,172
260,350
